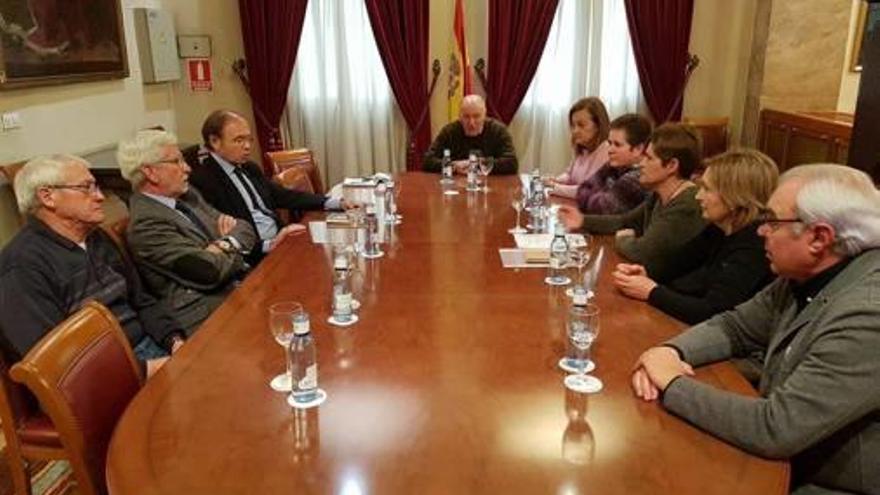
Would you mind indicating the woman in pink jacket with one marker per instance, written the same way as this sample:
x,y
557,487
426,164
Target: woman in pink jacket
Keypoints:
x,y
588,121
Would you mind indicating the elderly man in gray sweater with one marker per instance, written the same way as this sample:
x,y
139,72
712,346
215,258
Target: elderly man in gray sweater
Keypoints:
x,y
818,325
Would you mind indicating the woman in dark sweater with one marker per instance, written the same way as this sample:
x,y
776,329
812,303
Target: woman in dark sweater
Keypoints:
x,y
725,265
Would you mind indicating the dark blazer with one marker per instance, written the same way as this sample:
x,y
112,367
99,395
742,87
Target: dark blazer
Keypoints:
x,y
219,190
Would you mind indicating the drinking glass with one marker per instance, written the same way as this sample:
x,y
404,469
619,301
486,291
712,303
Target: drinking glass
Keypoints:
x,y
583,329
579,256
281,325
486,165
516,201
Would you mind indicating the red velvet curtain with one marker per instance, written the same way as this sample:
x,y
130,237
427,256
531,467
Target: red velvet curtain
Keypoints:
x,y
518,31
401,31
271,31
660,31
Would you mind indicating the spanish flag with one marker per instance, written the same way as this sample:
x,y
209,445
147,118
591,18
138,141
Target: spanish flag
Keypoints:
x,y
459,64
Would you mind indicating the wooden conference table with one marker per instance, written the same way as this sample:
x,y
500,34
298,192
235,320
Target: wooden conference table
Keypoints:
x,y
447,385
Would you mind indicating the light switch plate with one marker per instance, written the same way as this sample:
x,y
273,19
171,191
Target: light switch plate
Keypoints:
x,y
194,46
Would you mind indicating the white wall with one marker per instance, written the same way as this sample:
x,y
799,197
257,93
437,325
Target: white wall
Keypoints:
x,y
85,117
721,36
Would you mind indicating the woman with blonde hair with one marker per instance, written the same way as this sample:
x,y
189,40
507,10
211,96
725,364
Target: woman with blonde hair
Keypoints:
x,y
726,264
588,122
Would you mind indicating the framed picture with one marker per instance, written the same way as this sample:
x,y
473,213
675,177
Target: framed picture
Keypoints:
x,y
46,42
867,26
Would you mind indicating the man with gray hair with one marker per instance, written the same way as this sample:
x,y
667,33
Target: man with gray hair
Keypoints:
x,y
188,253
472,132
818,326
60,259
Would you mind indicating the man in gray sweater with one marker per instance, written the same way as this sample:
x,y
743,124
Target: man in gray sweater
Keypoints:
x,y
818,326
651,233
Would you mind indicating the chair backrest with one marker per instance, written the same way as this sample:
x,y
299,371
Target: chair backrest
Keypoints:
x,y
297,158
294,178
84,374
713,132
117,230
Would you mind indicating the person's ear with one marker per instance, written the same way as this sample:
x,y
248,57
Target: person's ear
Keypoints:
x,y
672,166
46,198
824,236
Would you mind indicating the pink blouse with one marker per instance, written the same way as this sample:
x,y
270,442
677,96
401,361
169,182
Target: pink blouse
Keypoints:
x,y
582,168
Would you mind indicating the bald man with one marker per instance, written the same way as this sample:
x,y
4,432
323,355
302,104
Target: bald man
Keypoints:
x,y
473,132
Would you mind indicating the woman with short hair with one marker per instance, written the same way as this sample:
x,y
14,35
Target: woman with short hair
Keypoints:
x,y
726,264
588,122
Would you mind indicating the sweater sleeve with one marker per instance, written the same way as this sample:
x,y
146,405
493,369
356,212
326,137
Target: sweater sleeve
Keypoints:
x,y
667,232
737,278
503,151
434,156
609,224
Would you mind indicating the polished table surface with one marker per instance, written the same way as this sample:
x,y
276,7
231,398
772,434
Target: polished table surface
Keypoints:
x,y
447,385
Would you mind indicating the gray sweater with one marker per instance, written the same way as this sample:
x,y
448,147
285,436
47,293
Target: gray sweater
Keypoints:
x,y
661,230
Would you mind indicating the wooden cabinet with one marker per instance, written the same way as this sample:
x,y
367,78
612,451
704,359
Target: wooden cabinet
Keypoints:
x,y
796,138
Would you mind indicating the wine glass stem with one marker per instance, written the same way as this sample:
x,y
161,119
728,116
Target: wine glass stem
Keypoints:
x,y
517,217
287,364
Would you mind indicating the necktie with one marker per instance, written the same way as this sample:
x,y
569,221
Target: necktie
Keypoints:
x,y
252,194
191,215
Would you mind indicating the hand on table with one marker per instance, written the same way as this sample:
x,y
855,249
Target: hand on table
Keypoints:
x,y
288,231
633,281
571,217
655,370
460,167
153,365
625,233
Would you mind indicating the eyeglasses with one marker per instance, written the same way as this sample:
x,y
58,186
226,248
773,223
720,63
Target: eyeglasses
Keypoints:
x,y
91,188
769,220
170,161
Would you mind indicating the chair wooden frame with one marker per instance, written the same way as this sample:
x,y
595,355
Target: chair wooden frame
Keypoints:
x,y
17,416
65,350
299,158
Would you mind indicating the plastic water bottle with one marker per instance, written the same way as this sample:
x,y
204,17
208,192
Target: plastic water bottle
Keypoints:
x,y
446,167
341,289
379,194
472,183
303,361
371,241
558,257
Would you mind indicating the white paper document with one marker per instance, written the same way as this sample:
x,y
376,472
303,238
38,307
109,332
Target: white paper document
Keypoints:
x,y
542,241
519,258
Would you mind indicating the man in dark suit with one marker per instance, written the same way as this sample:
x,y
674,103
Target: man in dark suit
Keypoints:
x,y
189,253
236,186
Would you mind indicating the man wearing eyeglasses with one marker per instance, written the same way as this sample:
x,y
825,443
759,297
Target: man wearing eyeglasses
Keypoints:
x,y
818,325
189,253
60,259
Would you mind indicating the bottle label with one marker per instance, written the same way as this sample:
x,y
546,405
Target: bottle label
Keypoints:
x,y
300,327
343,302
310,381
580,298
555,263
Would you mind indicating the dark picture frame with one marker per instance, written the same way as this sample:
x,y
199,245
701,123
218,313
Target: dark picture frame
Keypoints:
x,y
867,25
46,42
